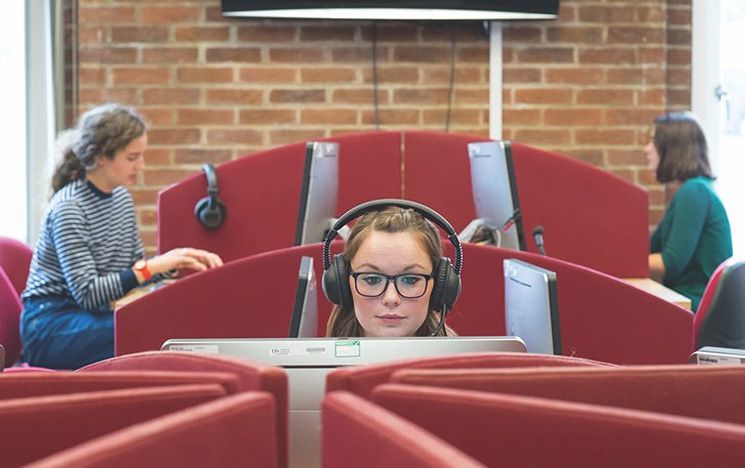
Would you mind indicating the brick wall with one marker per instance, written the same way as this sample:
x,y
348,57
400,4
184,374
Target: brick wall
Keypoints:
x,y
214,89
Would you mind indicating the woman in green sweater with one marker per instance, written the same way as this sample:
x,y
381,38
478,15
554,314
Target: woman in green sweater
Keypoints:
x,y
694,236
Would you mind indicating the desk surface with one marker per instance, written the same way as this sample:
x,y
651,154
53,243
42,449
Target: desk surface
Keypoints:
x,y
138,292
653,287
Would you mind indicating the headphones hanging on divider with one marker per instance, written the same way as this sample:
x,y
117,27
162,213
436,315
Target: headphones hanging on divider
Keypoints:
x,y
210,211
446,277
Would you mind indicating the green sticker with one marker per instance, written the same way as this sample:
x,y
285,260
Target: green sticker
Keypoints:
x,y
347,348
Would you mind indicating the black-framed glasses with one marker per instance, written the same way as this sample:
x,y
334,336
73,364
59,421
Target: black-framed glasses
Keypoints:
x,y
408,285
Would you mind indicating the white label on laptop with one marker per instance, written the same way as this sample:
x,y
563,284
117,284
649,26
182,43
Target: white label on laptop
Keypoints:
x,y
297,351
206,349
721,360
347,348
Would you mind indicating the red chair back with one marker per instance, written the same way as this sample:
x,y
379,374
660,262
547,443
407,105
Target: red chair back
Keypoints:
x,y
15,259
10,313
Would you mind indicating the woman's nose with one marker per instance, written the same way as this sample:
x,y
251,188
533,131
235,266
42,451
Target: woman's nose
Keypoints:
x,y
390,295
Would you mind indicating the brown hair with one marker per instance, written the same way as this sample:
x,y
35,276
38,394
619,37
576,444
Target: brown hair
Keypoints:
x,y
392,220
103,130
681,145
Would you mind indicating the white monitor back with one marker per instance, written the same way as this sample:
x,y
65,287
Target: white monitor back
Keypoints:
x,y
531,306
318,192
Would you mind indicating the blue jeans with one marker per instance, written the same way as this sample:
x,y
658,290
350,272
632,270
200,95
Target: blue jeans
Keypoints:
x,y
58,334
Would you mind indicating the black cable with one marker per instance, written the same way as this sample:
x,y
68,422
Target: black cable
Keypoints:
x,y
374,34
442,322
451,84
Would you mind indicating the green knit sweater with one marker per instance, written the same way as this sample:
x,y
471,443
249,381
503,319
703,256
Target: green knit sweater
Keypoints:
x,y
693,237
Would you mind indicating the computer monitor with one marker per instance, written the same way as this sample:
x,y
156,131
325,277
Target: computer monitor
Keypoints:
x,y
318,192
495,194
307,361
2,357
304,319
531,306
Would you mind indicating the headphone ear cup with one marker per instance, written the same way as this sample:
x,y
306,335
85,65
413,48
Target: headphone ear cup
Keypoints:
x,y
336,283
446,287
210,214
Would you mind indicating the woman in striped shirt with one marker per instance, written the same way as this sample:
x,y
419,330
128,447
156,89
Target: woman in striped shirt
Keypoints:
x,y
89,251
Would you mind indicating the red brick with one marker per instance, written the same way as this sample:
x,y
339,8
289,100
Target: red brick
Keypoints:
x,y
635,35
268,117
93,75
537,137
583,75
521,117
142,196
173,136
606,14
457,117
393,117
139,34
358,54
157,157
163,55
327,32
478,55
652,97
392,32
114,15
281,137
463,75
296,55
605,96
235,97
328,116
165,177
233,54
158,116
609,56
575,35
171,96
546,55
202,34
419,54
634,116
169,15
626,157
420,96
653,55
267,33
139,75
358,96
679,56
651,14
603,136
544,96
327,74
393,74
205,117
229,136
463,96
146,216
201,156
97,95
590,156
297,96
274,75
108,55
572,117
204,75
521,34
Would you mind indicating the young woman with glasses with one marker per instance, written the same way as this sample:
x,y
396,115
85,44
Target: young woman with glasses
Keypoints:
x,y
391,255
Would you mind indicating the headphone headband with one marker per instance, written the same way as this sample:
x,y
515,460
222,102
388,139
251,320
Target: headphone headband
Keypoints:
x,y
374,205
209,172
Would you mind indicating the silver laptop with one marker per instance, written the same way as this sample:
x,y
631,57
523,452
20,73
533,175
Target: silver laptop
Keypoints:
x,y
308,360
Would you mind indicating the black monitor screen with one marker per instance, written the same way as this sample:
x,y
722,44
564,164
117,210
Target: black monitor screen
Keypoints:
x,y
531,306
304,320
318,192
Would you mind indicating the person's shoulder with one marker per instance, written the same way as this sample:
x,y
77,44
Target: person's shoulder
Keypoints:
x,y
696,185
121,193
66,199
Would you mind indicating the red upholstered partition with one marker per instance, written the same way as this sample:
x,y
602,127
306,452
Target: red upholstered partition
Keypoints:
x,y
261,192
512,430
235,431
251,377
362,379
361,434
39,426
249,298
590,216
706,392
33,384
601,317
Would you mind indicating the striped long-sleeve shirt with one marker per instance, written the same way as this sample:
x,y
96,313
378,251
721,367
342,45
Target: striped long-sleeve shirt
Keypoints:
x,y
87,246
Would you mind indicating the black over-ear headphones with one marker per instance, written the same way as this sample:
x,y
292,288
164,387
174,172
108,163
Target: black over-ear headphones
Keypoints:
x,y
446,277
209,210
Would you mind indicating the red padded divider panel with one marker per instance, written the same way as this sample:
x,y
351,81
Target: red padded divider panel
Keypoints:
x,y
511,430
362,379
709,292
437,173
601,317
590,216
235,431
261,192
675,389
369,167
249,298
10,314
